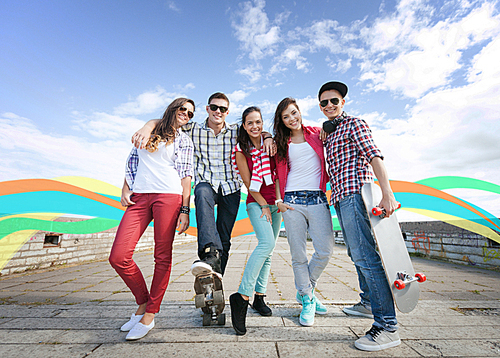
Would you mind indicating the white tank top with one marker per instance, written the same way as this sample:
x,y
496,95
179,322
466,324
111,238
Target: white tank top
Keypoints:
x,y
305,168
156,172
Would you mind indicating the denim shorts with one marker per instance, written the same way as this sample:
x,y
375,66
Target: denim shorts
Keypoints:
x,y
305,197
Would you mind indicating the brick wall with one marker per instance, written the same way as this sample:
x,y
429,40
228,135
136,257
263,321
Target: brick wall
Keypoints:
x,y
440,240
72,249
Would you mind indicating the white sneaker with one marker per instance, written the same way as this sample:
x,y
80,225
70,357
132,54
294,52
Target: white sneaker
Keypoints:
x,y
130,324
139,331
377,339
199,267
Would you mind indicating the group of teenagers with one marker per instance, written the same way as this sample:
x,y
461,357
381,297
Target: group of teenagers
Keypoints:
x,y
286,175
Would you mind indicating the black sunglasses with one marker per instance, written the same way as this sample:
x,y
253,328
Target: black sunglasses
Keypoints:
x,y
335,101
214,108
184,109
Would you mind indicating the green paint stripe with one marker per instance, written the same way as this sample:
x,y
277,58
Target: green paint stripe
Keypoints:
x,y
90,226
454,182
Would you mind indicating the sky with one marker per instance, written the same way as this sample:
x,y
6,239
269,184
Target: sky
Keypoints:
x,y
78,78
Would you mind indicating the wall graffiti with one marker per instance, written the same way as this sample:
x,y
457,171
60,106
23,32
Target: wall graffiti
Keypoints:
x,y
421,243
490,254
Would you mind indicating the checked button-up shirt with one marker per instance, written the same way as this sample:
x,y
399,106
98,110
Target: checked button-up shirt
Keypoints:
x,y
349,151
212,156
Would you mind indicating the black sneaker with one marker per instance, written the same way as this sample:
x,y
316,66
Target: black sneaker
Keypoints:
x,y
239,307
210,262
260,306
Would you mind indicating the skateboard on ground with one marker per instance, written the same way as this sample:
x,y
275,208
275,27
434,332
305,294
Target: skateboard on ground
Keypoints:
x,y
210,298
393,252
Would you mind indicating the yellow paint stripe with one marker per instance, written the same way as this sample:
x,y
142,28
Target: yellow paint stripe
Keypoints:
x,y
94,185
11,243
457,221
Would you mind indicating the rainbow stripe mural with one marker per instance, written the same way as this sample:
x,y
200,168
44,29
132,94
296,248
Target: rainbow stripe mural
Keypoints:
x,y
31,205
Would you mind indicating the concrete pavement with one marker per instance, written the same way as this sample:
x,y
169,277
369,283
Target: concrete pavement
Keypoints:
x,y
77,311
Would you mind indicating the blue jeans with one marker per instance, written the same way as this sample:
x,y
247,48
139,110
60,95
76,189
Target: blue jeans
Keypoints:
x,y
361,247
210,232
257,269
311,214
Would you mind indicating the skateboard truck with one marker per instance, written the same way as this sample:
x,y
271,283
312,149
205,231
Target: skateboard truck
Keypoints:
x,y
380,212
404,279
210,298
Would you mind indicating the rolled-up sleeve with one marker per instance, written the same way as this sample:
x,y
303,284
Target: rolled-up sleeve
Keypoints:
x,y
131,167
364,140
184,152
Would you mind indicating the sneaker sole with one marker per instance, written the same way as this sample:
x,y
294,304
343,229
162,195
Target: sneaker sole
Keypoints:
x,y
305,324
356,313
379,347
262,314
200,268
321,312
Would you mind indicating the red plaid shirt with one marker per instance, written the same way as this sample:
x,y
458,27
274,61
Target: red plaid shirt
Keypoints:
x,y
349,151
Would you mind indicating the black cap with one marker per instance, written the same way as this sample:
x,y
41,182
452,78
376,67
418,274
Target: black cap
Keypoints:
x,y
338,86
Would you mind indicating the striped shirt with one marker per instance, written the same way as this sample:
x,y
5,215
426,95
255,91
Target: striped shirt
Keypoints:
x,y
349,151
183,150
212,156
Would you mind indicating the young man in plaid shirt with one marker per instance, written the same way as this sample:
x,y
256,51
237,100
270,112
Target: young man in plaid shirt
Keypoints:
x,y
353,158
215,182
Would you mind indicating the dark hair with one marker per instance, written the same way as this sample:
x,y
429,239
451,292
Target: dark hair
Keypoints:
x,y
218,95
243,138
166,128
282,132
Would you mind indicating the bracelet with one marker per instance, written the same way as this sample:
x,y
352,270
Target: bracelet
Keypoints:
x,y
278,201
185,210
264,206
268,137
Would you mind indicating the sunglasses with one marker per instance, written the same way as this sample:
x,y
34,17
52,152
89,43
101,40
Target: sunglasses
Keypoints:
x,y
214,108
334,101
184,109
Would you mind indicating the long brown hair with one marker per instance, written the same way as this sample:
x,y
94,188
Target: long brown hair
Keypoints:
x,y
281,132
243,137
166,128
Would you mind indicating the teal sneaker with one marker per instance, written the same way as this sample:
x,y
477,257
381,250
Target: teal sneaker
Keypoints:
x,y
306,317
320,307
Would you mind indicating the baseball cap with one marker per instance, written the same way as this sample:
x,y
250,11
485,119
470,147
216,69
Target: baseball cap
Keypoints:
x,y
333,85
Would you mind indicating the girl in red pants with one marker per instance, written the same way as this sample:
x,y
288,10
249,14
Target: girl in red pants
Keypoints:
x,y
157,187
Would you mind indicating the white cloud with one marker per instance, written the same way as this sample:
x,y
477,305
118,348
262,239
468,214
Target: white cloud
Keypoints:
x,y
173,6
254,30
147,102
451,131
251,72
35,154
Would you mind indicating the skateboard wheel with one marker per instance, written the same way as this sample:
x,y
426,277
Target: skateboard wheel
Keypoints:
x,y
218,297
377,211
199,300
399,284
420,277
207,319
221,320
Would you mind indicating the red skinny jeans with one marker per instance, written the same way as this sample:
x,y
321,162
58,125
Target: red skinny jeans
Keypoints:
x,y
164,209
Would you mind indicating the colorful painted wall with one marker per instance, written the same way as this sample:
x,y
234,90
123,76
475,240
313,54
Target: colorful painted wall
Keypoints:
x,y
30,205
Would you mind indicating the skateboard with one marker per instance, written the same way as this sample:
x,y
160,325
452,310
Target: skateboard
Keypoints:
x,y
210,298
393,252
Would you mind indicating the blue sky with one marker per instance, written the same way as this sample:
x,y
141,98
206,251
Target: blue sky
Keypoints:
x,y
78,78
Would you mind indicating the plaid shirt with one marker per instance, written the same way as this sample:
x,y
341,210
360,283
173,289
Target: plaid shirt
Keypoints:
x,y
183,162
349,151
212,156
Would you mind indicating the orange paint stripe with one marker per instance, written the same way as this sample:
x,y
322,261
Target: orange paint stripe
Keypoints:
x,y
33,185
408,187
